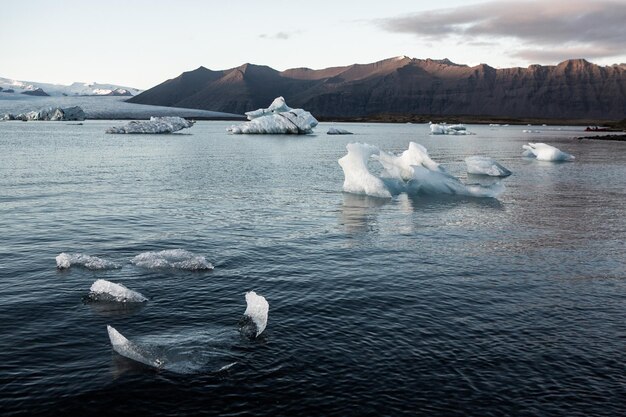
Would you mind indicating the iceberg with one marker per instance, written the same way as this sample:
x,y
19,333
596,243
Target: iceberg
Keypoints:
x,y
54,114
412,172
357,177
445,129
154,125
254,320
66,260
337,131
483,165
103,290
172,258
544,152
130,350
278,118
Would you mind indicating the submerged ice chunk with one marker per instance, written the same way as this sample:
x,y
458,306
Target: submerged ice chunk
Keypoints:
x,y
445,129
254,320
172,258
66,260
412,172
337,131
544,152
154,125
130,350
103,290
483,165
439,183
278,118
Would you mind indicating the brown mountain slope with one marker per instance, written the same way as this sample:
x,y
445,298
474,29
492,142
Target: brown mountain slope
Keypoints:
x,y
569,90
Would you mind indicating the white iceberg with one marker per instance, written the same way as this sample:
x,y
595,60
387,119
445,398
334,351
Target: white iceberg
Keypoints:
x,y
53,114
130,350
254,321
337,131
172,258
357,177
544,152
154,125
278,118
483,165
103,290
445,129
412,172
402,166
66,260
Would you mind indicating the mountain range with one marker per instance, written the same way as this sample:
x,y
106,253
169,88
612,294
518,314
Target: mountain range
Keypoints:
x,y
406,86
33,88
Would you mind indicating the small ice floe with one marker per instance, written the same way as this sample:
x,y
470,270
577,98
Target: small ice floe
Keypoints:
x,y
278,118
106,291
530,131
337,131
154,125
66,260
254,320
172,258
445,129
130,350
483,165
412,172
544,152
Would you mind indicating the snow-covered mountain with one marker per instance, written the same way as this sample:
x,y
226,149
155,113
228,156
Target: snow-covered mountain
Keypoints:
x,y
8,86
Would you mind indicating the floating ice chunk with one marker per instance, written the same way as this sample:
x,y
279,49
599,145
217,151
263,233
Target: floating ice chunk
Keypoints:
x,y
66,260
154,125
278,118
128,349
172,258
402,166
337,131
103,290
412,172
544,152
483,165
530,131
358,179
254,321
444,129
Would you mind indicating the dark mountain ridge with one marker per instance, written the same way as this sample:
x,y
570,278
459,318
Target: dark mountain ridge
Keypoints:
x,y
407,86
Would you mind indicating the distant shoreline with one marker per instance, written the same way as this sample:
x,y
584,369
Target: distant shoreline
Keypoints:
x,y
410,118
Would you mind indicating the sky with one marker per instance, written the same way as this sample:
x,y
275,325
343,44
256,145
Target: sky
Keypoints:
x,y
137,43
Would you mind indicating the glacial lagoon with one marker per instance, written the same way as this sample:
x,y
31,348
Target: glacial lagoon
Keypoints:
x,y
411,305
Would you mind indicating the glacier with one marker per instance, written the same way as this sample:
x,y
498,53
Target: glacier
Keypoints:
x,y
172,258
103,290
445,129
154,125
483,165
278,118
545,152
66,260
412,172
254,320
74,113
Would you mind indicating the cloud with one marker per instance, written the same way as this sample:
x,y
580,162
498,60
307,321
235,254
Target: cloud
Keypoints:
x,y
543,29
283,36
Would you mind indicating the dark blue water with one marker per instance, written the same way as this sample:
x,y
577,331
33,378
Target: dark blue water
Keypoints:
x,y
413,306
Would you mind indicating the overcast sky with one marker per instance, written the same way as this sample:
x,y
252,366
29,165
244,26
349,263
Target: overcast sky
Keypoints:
x,y
140,43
